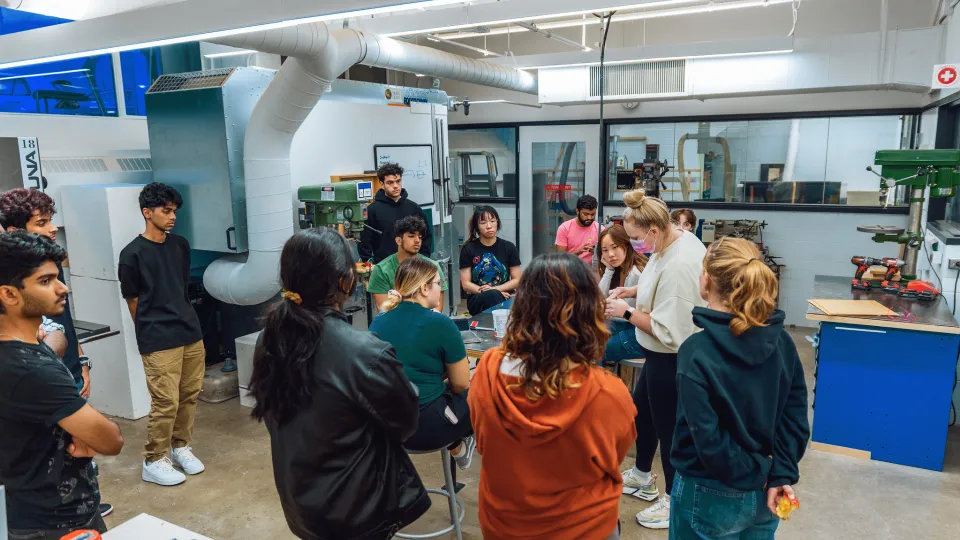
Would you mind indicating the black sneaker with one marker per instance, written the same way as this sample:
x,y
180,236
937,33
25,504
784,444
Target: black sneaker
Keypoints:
x,y
105,509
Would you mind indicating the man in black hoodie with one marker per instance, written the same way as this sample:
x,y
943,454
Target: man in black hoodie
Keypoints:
x,y
389,206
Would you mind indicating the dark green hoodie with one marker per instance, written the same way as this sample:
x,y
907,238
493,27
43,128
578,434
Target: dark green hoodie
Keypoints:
x,y
742,404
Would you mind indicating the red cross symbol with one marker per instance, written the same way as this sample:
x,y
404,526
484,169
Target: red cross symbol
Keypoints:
x,y
947,75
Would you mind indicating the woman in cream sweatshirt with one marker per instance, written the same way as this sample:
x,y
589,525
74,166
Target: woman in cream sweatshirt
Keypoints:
x,y
667,292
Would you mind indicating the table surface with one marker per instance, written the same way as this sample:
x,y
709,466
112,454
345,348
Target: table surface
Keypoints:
x,y
912,314
147,527
485,320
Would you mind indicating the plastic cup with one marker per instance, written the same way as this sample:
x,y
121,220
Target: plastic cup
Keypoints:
x,y
500,319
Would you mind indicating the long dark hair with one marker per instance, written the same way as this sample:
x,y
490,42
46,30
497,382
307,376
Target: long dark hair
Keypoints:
x,y
317,272
557,324
632,259
478,213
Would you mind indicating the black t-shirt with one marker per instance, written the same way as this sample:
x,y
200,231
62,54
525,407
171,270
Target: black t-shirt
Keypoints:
x,y
157,275
71,358
489,265
47,488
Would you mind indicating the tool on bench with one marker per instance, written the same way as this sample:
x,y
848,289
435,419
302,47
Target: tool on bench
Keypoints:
x,y
893,266
863,264
921,290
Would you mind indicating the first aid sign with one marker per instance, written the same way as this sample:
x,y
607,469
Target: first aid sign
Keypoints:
x,y
946,76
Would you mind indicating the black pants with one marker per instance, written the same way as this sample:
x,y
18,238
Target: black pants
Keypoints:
x,y
656,399
435,431
96,523
478,303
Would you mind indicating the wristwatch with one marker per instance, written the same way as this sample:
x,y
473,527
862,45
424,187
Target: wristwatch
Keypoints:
x,y
627,314
86,362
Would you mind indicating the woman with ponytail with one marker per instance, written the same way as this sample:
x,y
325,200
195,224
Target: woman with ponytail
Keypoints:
x,y
430,347
336,403
742,417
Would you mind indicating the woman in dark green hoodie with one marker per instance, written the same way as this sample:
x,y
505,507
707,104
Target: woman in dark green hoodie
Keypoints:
x,y
742,404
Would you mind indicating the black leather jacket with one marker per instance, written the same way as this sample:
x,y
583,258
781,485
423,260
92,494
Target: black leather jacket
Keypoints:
x,y
339,465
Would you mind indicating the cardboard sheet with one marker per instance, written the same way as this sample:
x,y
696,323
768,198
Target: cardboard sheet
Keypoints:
x,y
857,308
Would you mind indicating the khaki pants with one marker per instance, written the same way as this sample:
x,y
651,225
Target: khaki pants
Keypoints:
x,y
174,378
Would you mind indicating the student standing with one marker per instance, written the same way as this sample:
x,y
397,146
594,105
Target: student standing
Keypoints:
x,y
430,347
336,403
409,233
552,427
742,417
579,236
389,205
48,433
154,270
489,266
32,210
668,290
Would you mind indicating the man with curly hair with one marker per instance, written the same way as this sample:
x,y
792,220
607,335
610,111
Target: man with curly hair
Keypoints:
x,y
154,271
389,206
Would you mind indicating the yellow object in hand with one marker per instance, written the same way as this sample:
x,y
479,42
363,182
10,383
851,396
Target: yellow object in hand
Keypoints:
x,y
785,505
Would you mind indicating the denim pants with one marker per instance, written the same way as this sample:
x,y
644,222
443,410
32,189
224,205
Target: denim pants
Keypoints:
x,y
622,345
704,509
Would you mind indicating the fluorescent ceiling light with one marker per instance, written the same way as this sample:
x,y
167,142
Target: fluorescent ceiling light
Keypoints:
x,y
231,53
663,59
414,5
28,75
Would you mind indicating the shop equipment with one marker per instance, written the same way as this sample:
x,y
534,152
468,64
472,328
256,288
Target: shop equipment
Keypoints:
x,y
335,205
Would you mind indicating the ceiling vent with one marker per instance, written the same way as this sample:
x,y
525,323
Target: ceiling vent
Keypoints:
x,y
642,79
195,80
96,165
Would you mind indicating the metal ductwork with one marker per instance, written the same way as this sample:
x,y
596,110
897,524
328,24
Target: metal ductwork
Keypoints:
x,y
316,56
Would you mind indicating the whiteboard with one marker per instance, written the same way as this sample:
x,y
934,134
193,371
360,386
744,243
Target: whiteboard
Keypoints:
x,y
417,163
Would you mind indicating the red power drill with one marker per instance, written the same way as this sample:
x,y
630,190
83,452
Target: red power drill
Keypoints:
x,y
893,266
863,264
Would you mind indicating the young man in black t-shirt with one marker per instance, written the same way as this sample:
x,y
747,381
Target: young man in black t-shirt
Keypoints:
x,y
154,270
48,433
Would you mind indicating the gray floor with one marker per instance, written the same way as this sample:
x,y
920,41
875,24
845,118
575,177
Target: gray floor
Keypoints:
x,y
842,498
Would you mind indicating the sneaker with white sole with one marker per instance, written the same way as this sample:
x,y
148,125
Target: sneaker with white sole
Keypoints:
x,y
657,516
184,458
466,453
162,472
632,485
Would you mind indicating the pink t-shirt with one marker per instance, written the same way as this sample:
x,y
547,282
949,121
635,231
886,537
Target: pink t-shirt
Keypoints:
x,y
572,235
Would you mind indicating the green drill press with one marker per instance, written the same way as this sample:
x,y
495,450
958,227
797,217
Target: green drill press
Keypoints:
x,y
338,203
917,170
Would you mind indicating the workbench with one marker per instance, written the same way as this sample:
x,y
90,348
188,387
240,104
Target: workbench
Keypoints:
x,y
884,385
488,341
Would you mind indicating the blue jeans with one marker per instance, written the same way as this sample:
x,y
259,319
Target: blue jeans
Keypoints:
x,y
622,346
704,509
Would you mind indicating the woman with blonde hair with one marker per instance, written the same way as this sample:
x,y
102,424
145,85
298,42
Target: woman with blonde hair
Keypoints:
x,y
553,427
666,294
742,420
429,346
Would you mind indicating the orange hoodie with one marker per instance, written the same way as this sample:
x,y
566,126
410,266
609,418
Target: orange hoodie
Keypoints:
x,y
550,468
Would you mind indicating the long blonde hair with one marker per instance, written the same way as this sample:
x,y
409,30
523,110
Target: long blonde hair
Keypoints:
x,y
646,212
746,284
412,274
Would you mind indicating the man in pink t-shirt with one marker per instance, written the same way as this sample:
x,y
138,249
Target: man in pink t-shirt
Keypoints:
x,y
579,235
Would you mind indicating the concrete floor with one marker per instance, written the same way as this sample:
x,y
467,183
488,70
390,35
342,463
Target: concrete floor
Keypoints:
x,y
235,498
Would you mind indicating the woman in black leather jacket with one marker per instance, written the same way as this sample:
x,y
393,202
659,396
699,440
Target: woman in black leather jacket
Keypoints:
x,y
336,403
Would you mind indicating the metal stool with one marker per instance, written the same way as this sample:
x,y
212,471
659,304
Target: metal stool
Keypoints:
x,y
637,365
456,517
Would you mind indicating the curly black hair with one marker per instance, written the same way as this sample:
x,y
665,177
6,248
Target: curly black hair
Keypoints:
x,y
21,253
18,205
409,224
157,195
587,202
389,169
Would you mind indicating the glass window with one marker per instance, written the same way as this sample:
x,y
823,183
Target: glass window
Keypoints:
x,y
142,67
83,86
791,161
484,162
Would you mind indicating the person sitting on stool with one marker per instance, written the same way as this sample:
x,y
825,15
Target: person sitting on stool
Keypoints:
x,y
409,233
620,266
430,347
489,266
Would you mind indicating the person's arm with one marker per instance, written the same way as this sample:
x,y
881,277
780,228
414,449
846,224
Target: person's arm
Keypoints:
x,y
722,457
55,337
378,299
605,281
129,276
378,286
426,246
91,429
453,352
386,394
793,429
466,282
510,286
132,307
85,375
367,236
458,375
562,242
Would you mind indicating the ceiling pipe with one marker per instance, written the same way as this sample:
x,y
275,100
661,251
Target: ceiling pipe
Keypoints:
x,y
316,56
549,35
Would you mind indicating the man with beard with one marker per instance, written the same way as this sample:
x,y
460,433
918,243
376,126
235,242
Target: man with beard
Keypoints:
x,y
579,235
50,433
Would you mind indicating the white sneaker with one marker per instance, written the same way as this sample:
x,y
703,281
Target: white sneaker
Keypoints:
x,y
466,453
657,516
632,485
184,458
162,472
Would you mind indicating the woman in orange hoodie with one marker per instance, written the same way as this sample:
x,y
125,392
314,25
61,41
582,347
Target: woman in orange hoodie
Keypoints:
x,y
552,427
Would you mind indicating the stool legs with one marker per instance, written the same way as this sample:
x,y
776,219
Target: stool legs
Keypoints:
x,y
451,490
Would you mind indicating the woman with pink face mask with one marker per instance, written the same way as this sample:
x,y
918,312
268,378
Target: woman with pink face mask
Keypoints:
x,y
667,292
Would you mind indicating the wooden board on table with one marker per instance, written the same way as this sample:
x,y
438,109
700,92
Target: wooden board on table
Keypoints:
x,y
858,308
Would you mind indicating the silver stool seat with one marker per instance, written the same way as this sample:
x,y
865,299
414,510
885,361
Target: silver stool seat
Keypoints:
x,y
637,365
457,512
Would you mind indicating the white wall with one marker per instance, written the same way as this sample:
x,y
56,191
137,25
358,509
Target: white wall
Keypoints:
x,y
808,244
928,129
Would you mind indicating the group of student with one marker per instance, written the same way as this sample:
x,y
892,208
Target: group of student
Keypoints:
x,y
50,432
